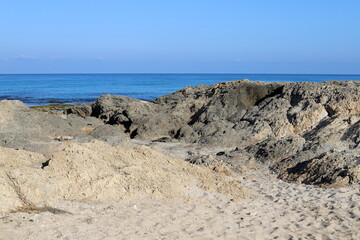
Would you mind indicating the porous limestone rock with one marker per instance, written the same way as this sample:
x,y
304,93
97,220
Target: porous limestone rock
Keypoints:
x,y
271,122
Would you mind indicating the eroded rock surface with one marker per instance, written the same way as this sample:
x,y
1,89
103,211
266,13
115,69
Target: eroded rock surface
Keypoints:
x,y
193,114
280,124
24,128
304,132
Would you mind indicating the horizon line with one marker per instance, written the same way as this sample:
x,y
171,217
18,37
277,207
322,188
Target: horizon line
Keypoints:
x,y
174,73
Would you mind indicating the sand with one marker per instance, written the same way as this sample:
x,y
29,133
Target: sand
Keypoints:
x,y
72,188
280,211
99,172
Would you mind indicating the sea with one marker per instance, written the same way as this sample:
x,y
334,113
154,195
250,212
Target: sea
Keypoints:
x,y
44,89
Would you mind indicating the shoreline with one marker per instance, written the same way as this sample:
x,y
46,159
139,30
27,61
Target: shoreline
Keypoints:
x,y
241,158
52,107
78,89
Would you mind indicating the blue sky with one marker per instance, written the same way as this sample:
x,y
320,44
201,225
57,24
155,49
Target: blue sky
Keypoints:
x,y
198,36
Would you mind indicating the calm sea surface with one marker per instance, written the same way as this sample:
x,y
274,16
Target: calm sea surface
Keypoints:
x,y
40,89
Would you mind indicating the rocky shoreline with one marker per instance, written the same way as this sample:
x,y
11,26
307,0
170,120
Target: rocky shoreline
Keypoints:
x,y
307,132
120,149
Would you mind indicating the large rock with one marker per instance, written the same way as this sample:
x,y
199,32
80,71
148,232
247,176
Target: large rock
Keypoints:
x,y
82,110
337,169
24,128
193,114
272,122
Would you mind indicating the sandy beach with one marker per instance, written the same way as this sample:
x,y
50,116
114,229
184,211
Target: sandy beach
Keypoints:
x,y
279,210
180,120
234,160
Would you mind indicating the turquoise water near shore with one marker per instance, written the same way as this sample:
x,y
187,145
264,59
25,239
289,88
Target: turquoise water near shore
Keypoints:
x,y
41,89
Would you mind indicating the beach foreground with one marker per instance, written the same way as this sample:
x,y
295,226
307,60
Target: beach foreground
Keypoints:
x,y
280,211
234,160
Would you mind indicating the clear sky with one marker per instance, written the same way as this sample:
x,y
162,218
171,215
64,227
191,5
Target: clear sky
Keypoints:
x,y
180,36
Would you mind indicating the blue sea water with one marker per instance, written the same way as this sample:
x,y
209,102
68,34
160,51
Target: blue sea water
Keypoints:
x,y
40,89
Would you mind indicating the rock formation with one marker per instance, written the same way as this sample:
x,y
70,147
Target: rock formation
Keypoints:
x,y
24,128
304,132
296,128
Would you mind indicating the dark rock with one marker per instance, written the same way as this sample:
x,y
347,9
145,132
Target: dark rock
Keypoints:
x,y
82,110
275,149
337,169
204,160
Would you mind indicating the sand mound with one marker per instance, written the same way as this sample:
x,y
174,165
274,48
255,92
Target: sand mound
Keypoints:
x,y
99,172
